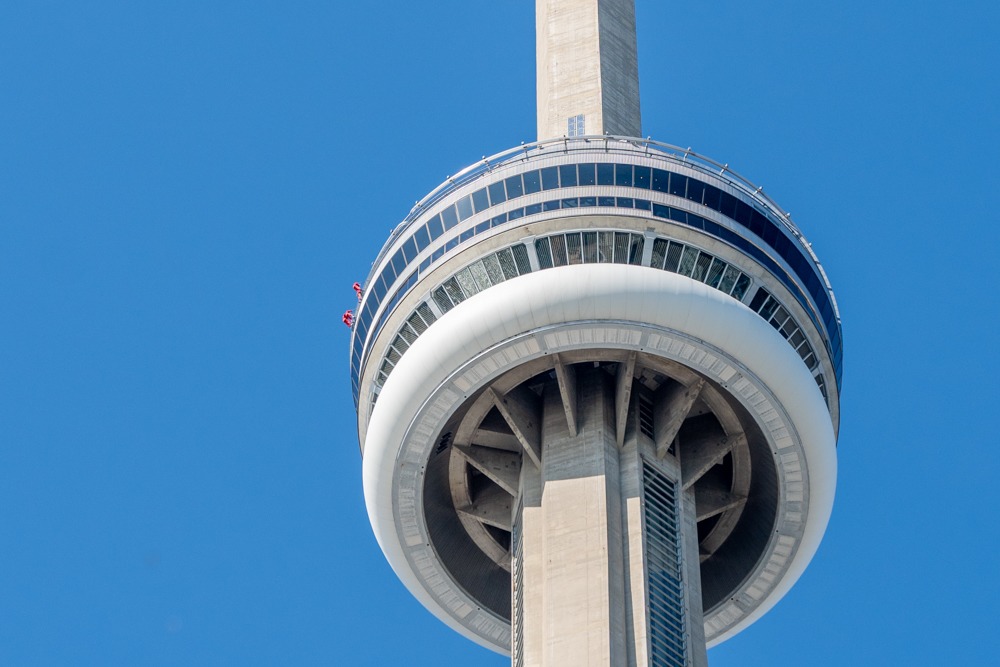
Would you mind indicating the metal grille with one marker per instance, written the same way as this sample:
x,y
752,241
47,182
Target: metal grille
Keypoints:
x,y
517,591
664,580
776,315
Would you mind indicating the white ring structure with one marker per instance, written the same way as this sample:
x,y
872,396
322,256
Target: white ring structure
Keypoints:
x,y
598,306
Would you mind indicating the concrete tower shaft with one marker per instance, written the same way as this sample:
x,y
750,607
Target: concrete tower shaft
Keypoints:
x,y
587,68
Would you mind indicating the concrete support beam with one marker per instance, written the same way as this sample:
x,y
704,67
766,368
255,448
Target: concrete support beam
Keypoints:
x,y
502,467
587,66
623,395
710,502
493,507
671,406
699,454
521,411
566,377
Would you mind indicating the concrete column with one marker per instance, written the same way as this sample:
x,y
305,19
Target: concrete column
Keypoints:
x,y
581,543
587,66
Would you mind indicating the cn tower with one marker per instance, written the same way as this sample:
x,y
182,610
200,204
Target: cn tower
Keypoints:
x,y
597,380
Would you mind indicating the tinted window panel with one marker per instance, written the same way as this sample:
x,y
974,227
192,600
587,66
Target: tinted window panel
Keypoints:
x,y
532,182
605,174
623,174
696,190
567,175
550,178
661,180
480,200
642,177
449,218
497,194
434,227
678,184
421,237
410,249
464,208
514,188
711,197
587,176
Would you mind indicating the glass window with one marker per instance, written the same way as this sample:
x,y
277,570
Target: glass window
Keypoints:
x,y
625,202
590,247
727,205
515,214
398,262
550,178
449,218
514,187
505,261
442,300
607,243
642,178
558,250
588,201
532,209
729,279
715,273
410,249
532,182
643,204
605,201
434,227
678,184
550,205
544,253
587,171
688,260
567,175
573,252
711,197
498,220
605,174
696,190
421,237
661,211
464,208
492,266
467,282
758,299
659,253
482,226
454,291
661,180
466,235
497,194
521,259
480,200
621,247
635,251
570,203
673,256
623,175
451,245
436,255
478,271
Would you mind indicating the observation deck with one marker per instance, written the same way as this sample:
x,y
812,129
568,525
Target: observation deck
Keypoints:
x,y
658,287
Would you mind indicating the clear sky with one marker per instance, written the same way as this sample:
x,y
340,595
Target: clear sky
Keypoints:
x,y
189,189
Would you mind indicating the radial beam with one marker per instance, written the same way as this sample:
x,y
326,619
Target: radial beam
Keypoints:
x,y
566,378
587,68
521,409
492,507
504,468
623,394
672,404
699,454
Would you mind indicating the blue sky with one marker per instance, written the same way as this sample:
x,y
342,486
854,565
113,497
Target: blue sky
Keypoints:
x,y
189,189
